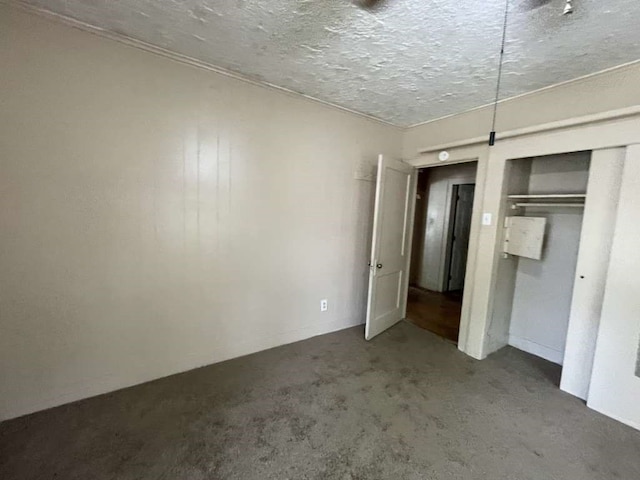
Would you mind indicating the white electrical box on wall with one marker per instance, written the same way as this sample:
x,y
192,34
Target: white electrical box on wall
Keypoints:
x,y
524,236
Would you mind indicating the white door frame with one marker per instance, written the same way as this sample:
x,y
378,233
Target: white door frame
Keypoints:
x,y
465,154
619,128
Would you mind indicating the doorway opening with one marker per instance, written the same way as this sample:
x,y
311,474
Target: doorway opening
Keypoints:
x,y
442,226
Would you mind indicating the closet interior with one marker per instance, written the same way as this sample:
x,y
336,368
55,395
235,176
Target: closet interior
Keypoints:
x,y
544,207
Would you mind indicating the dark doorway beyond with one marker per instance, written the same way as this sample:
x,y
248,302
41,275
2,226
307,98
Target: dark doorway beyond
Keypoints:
x,y
435,311
458,244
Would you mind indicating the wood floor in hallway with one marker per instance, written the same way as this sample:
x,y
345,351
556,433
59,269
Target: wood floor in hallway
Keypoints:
x,y
438,312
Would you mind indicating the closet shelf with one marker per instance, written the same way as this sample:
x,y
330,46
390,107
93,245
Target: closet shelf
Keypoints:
x,y
543,200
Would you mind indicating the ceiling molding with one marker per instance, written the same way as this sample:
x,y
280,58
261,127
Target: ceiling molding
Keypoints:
x,y
545,127
184,59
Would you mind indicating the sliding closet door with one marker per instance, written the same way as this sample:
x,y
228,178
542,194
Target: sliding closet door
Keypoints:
x,y
605,175
615,383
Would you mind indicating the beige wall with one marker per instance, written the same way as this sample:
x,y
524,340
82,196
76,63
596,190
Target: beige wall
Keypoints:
x,y
617,88
157,217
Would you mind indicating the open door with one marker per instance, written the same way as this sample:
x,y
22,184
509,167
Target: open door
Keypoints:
x,y
462,212
391,245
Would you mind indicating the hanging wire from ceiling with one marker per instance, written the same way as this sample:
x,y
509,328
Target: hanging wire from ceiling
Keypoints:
x,y
568,9
492,135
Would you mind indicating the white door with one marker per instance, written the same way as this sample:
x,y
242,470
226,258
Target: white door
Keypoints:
x,y
615,381
391,247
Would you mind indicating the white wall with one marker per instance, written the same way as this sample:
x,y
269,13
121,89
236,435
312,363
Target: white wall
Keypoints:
x,y
543,288
157,217
432,244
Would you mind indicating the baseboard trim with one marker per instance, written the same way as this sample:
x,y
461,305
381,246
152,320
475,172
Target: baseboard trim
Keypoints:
x,y
114,381
536,349
617,418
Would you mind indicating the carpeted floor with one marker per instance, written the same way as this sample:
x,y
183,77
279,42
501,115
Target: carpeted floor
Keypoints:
x,y
406,405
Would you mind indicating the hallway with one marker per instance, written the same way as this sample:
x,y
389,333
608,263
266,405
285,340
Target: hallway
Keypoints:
x,y
437,312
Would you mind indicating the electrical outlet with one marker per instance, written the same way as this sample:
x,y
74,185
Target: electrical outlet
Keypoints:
x,y
324,305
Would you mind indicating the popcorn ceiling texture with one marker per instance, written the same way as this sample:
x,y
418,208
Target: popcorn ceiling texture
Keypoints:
x,y
404,61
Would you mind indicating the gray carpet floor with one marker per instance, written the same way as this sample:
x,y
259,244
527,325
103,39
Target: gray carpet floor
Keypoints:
x,y
406,405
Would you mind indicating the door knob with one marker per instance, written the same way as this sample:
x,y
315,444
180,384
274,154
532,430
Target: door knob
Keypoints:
x,y
379,265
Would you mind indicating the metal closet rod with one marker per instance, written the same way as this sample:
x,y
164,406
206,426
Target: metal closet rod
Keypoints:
x,y
556,205
568,196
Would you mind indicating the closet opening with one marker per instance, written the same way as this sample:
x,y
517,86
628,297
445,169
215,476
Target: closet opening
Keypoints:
x,y
544,210
442,226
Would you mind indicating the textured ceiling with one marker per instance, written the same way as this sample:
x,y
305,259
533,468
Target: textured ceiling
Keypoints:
x,y
404,61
